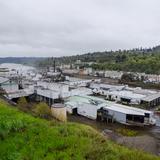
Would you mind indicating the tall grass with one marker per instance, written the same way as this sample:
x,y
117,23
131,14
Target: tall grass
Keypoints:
x,y
23,137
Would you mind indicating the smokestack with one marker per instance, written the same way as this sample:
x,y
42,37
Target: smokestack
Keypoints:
x,y
54,65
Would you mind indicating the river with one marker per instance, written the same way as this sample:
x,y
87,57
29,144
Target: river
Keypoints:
x,y
18,67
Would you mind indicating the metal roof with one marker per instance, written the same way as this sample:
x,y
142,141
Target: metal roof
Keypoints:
x,y
151,97
127,94
126,109
107,104
20,93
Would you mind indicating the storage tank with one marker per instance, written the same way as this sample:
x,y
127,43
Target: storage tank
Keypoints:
x,y
59,112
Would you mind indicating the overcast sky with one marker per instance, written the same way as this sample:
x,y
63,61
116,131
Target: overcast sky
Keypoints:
x,y
67,27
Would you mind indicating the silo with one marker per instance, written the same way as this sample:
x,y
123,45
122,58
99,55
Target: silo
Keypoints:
x,y
59,112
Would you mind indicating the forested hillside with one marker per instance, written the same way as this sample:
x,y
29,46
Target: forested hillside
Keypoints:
x,y
136,60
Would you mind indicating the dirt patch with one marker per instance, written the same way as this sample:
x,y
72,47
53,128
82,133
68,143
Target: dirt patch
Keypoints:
x,y
145,141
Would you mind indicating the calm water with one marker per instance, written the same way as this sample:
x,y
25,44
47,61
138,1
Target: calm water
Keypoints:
x,y
18,67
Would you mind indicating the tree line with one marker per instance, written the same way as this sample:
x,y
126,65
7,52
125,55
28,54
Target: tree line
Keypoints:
x,y
135,60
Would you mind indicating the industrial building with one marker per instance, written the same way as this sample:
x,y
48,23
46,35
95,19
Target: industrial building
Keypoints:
x,y
75,92
113,74
19,93
96,108
76,82
151,100
127,95
49,92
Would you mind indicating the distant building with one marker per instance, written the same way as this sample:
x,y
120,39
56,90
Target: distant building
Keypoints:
x,y
127,95
113,74
4,72
75,82
70,72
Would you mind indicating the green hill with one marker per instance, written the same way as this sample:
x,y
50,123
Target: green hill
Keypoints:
x,y
134,60
23,137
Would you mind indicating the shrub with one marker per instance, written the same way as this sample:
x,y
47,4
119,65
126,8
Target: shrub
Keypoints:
x,y
127,132
42,110
22,104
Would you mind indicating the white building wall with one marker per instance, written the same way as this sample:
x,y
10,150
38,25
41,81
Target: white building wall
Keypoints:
x,y
88,110
69,109
119,117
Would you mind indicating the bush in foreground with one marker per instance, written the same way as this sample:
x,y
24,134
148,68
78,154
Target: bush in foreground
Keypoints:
x,y
22,104
42,110
127,132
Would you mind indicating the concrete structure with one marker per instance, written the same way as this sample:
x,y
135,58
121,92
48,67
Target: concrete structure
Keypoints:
x,y
58,111
96,108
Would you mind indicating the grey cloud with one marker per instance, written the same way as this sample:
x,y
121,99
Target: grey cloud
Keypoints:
x,y
60,27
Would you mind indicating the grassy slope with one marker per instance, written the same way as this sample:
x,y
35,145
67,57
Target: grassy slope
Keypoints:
x,y
25,137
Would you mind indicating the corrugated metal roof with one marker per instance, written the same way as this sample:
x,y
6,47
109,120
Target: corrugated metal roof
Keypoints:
x,y
126,109
107,104
151,97
127,94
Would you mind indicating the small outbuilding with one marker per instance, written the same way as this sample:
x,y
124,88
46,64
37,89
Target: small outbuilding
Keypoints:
x,y
58,111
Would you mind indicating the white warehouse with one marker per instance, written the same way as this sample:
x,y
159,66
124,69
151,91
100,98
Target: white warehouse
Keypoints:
x,y
96,108
127,95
